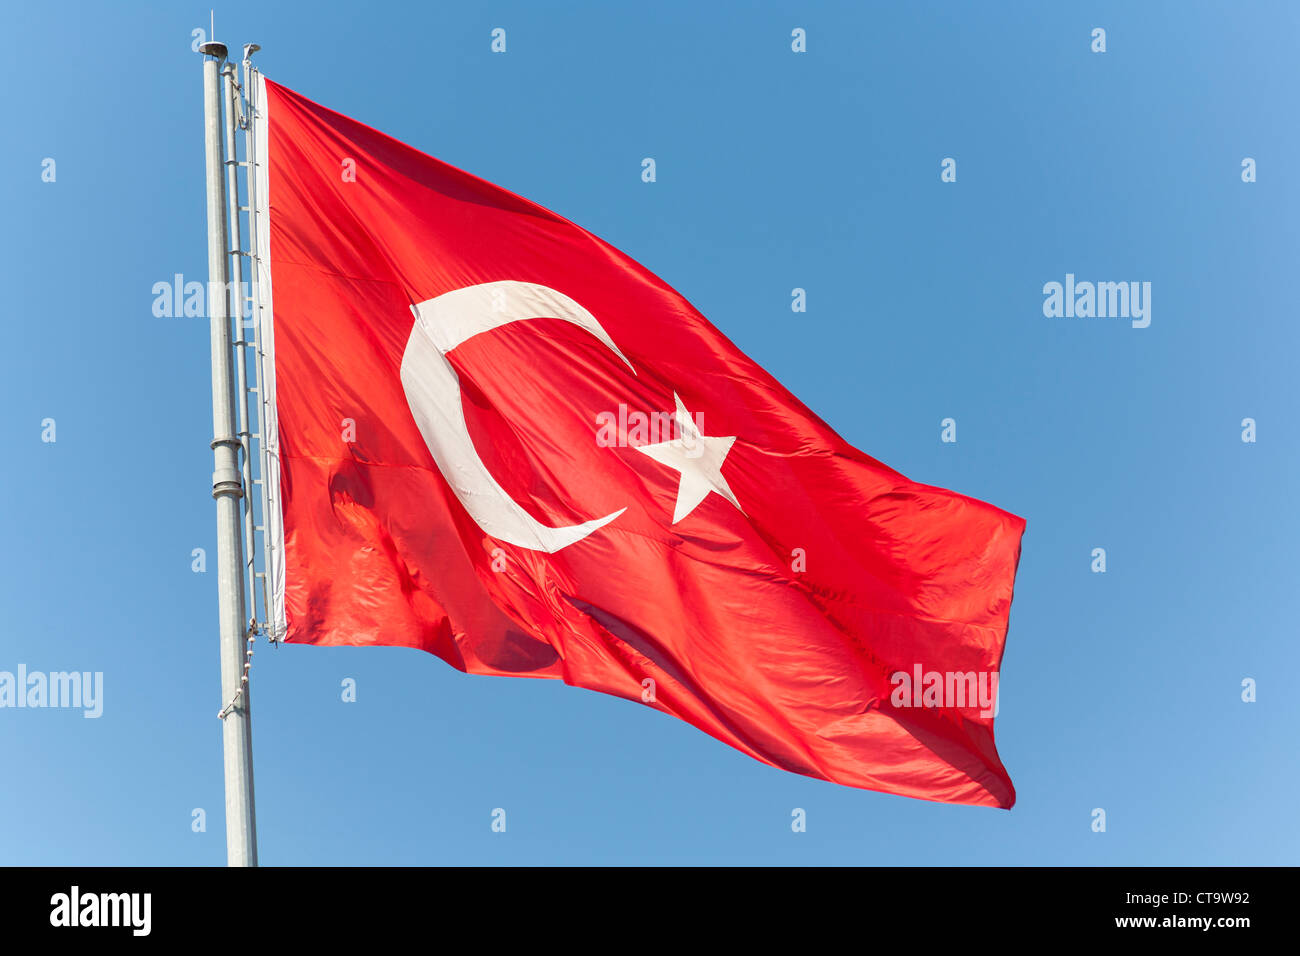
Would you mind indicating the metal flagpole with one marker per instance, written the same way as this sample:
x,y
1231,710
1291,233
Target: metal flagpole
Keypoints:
x,y
227,489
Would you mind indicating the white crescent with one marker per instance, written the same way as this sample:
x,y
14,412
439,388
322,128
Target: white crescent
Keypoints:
x,y
433,393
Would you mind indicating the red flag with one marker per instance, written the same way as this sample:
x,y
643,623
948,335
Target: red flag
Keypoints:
x,y
503,441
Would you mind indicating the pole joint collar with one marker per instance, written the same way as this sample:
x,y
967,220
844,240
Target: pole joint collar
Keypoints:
x,y
226,481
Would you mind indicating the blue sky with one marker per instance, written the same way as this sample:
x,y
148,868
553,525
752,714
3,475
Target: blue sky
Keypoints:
x,y
776,170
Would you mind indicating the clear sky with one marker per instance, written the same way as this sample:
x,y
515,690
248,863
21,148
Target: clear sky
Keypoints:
x,y
821,170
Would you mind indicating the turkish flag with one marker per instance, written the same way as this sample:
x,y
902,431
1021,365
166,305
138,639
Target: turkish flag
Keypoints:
x,y
502,441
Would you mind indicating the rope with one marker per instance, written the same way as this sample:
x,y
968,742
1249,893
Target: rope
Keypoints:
x,y
243,681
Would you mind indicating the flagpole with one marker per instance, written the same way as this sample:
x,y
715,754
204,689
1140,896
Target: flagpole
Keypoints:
x,y
227,489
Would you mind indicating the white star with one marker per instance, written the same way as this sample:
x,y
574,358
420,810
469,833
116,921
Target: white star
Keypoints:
x,y
698,458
